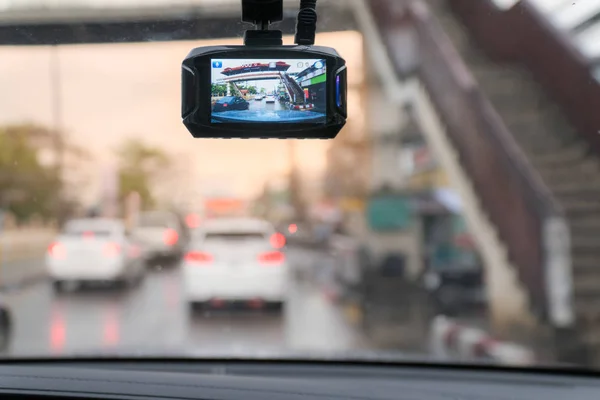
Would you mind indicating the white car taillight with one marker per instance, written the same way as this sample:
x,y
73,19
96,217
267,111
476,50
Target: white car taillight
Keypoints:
x,y
277,240
57,251
112,250
170,237
198,257
271,258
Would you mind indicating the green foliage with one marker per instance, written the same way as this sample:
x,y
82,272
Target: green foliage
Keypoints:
x,y
26,187
219,89
250,89
139,165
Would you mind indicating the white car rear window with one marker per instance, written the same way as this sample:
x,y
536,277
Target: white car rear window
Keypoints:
x,y
154,221
234,236
88,232
92,227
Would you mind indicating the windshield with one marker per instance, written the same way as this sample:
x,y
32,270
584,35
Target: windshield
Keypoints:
x,y
454,218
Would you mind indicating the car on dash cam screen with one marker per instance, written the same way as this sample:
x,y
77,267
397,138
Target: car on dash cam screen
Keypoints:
x,y
268,90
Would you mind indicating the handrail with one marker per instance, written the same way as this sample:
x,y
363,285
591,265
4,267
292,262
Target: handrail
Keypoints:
x,y
524,34
515,198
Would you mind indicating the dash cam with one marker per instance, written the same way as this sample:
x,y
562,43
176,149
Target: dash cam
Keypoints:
x,y
264,89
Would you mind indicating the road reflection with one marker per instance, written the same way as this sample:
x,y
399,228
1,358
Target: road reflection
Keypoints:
x,y
154,316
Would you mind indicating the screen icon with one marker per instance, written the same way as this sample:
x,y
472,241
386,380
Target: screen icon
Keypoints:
x,y
217,64
319,65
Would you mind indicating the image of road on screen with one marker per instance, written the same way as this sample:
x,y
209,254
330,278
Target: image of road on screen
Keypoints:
x,y
268,90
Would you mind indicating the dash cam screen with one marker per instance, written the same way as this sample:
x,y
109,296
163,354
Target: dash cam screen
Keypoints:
x,y
268,90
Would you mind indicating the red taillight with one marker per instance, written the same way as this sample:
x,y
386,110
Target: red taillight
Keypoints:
x,y
57,250
224,104
277,240
170,237
271,258
192,221
88,235
293,228
198,257
112,249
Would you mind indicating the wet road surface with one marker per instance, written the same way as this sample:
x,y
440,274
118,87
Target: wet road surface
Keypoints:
x,y
154,316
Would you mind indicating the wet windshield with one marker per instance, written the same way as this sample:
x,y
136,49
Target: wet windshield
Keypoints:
x,y
453,218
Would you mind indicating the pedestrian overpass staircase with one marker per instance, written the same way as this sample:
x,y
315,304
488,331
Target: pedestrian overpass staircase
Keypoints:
x,y
294,89
521,154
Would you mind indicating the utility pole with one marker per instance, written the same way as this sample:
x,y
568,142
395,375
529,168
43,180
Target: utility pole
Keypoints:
x,y
57,112
57,121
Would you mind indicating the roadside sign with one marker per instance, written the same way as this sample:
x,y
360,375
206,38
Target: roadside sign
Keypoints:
x,y
389,212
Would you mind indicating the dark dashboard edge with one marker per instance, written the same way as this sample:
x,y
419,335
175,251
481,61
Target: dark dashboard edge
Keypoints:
x,y
560,370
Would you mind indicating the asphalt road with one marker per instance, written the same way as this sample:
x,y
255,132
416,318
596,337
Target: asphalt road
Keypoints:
x,y
154,316
263,105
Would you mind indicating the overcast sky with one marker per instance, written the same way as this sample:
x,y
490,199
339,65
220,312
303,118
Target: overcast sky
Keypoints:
x,y
111,92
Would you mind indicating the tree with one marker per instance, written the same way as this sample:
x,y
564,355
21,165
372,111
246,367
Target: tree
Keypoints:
x,y
218,90
140,165
27,188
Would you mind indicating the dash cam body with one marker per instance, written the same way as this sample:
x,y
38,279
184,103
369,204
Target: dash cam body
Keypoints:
x,y
264,92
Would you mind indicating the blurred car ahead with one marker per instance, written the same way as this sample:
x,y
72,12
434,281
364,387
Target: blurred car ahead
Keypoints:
x,y
230,103
236,260
270,99
162,235
94,249
259,97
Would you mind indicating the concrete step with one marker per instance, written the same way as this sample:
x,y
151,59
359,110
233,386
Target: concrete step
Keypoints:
x,y
552,156
587,286
585,263
587,165
587,313
585,243
543,153
576,155
588,180
572,190
543,123
581,207
589,225
542,142
513,94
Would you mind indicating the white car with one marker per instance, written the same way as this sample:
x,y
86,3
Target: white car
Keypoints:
x,y
270,99
162,236
94,249
236,260
259,97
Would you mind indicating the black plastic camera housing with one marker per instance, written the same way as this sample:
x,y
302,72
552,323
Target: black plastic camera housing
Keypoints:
x,y
203,121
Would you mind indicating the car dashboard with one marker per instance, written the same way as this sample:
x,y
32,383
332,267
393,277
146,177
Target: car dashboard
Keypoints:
x,y
282,381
